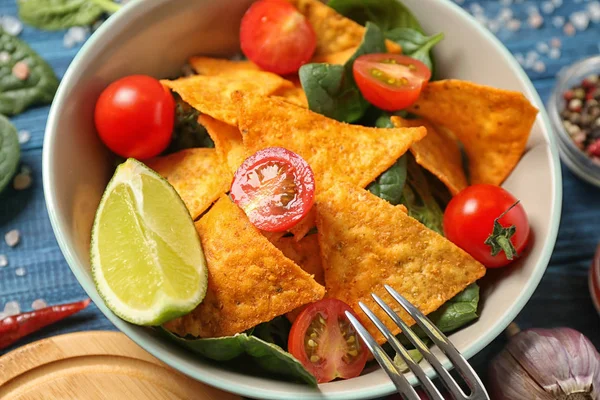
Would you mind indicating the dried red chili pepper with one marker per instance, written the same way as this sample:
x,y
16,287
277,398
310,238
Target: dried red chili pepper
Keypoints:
x,y
17,326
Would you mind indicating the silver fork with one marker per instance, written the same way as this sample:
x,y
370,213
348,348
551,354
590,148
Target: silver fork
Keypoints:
x,y
478,392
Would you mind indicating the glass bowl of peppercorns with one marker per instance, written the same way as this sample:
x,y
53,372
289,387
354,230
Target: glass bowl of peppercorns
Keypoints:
x,y
574,110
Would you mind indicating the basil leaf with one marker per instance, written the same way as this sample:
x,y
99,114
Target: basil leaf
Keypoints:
x,y
415,44
61,14
387,14
9,151
390,185
271,358
37,88
331,90
187,132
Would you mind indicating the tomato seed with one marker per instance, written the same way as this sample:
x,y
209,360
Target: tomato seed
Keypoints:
x,y
314,359
351,340
312,343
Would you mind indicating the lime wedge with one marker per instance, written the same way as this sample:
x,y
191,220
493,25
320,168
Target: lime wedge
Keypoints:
x,y
147,260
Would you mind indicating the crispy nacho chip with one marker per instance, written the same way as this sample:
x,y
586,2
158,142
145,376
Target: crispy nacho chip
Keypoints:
x,y
339,57
307,255
438,153
294,95
334,150
304,226
334,31
493,124
212,94
198,176
228,141
366,243
250,281
217,66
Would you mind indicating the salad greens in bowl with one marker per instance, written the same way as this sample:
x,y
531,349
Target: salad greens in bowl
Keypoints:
x,y
274,162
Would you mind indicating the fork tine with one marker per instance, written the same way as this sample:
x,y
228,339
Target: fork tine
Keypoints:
x,y
397,346
459,362
429,387
384,360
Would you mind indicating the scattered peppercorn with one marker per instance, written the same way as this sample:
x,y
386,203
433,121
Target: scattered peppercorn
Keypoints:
x,y
581,115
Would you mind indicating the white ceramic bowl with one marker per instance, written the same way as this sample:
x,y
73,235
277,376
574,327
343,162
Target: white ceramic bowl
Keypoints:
x,y
156,37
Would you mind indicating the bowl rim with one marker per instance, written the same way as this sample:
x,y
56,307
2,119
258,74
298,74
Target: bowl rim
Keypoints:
x,y
130,10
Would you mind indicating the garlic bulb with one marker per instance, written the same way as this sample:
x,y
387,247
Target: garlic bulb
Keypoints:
x,y
546,364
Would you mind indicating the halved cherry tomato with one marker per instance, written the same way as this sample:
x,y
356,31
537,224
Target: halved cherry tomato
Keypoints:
x,y
390,81
275,187
325,342
469,222
277,37
134,116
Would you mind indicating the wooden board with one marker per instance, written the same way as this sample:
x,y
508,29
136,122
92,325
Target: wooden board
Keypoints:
x,y
95,365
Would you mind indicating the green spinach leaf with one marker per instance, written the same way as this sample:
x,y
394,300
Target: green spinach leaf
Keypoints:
x,y
401,364
38,83
331,90
270,358
415,44
9,151
387,14
187,133
61,14
390,185
275,331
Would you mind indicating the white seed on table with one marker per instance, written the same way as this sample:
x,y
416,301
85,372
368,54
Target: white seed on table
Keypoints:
x,y
513,25
38,304
558,21
542,47
4,56
557,3
554,53
482,19
476,8
547,7
505,14
535,20
20,70
569,29
532,55
12,25
556,43
12,237
22,181
11,308
20,271
539,66
493,26
3,261
24,136
520,59
68,41
78,33
594,11
580,20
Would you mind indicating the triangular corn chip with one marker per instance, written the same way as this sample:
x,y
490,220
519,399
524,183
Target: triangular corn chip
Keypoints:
x,y
338,58
217,66
366,243
198,176
438,153
334,31
492,124
294,95
307,255
250,281
212,94
228,141
334,150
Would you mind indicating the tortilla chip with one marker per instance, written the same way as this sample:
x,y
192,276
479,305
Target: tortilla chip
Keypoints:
x,y
250,281
334,31
217,66
212,94
307,255
438,153
304,226
339,57
294,95
334,150
228,141
366,243
198,176
493,124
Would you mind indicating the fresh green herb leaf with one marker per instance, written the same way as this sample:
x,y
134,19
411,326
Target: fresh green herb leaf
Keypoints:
x,y
415,44
419,200
61,14
34,83
458,311
384,121
187,133
275,331
390,185
271,358
387,14
331,90
401,364
9,151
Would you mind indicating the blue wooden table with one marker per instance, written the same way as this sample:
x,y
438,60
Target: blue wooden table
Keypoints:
x,y
37,270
